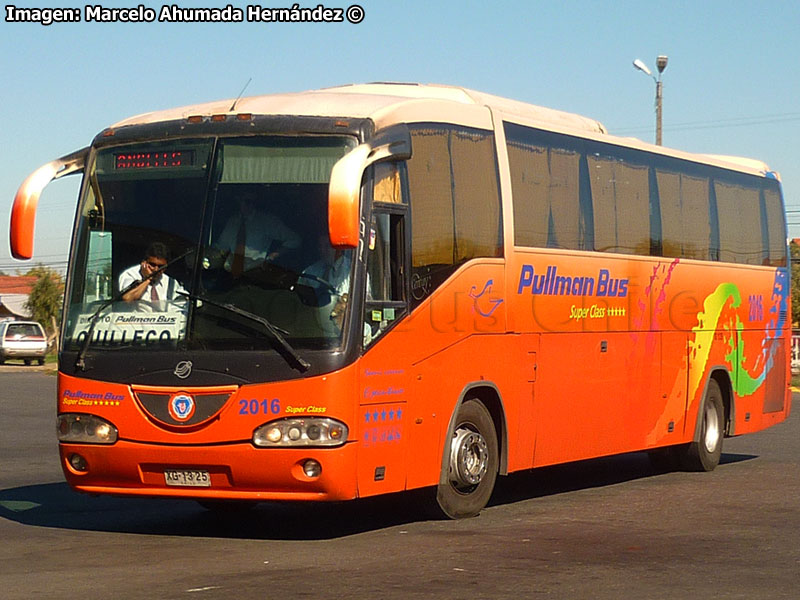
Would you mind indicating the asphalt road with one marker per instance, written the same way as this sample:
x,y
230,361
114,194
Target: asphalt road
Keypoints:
x,y
608,528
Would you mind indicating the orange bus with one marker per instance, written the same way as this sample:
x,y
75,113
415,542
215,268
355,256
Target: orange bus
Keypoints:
x,y
367,289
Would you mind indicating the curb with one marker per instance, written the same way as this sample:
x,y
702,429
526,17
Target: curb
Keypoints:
x,y
45,368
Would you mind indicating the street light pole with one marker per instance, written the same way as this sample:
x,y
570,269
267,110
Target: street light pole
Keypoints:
x,y
659,107
661,64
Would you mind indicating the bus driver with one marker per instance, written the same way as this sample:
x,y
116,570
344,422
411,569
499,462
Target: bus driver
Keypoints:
x,y
155,290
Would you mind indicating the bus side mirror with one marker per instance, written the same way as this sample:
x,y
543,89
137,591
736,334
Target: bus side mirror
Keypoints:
x,y
344,189
23,212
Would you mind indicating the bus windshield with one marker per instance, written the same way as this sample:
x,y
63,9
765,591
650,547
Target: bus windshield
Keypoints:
x,y
208,244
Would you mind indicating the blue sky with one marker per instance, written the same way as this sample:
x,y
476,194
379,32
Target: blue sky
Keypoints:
x,y
731,86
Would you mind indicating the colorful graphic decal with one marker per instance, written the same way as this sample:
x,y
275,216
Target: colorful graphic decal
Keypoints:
x,y
723,322
656,292
723,310
727,327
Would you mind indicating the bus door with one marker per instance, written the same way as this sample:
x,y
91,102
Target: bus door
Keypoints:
x,y
385,375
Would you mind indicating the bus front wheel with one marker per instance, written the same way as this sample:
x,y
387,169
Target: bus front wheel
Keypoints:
x,y
471,462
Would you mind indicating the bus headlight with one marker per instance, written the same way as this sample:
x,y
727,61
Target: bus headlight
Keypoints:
x,y
85,429
301,432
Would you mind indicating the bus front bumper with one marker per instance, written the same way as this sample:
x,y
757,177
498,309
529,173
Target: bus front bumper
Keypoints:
x,y
236,471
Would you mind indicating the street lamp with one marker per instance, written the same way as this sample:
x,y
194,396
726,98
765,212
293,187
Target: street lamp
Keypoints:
x,y
661,64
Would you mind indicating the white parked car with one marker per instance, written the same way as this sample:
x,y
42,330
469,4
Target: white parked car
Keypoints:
x,y
23,340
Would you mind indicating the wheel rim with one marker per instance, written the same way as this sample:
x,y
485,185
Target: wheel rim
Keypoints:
x,y
712,429
469,459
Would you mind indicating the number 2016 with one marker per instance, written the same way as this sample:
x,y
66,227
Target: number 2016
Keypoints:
x,y
260,407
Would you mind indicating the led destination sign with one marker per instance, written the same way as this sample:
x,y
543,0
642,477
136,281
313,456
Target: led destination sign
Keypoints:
x,y
168,159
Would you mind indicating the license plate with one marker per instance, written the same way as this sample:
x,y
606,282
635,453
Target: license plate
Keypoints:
x,y
187,478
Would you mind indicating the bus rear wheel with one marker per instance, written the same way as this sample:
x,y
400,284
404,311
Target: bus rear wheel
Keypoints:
x,y
704,453
471,463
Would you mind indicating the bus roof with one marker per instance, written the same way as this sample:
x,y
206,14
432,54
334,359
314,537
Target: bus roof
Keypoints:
x,y
387,103
371,100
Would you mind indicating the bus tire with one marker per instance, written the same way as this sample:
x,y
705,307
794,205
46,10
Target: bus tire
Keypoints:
x,y
703,453
471,464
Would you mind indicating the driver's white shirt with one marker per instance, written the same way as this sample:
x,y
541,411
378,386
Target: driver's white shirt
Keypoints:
x,y
166,287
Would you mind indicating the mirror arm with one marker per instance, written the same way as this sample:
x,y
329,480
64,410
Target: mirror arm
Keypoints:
x,y
344,190
23,211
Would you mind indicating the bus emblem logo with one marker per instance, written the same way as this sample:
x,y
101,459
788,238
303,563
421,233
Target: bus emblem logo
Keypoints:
x,y
181,407
183,369
490,304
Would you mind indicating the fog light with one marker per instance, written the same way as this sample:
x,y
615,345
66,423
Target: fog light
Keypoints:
x,y
312,468
78,463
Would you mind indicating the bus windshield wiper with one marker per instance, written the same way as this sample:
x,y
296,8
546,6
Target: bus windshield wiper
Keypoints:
x,y
284,348
80,361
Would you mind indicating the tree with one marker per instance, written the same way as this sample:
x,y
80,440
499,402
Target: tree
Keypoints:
x,y
40,270
44,301
794,252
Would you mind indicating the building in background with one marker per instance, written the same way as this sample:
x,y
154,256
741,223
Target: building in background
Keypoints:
x,y
14,291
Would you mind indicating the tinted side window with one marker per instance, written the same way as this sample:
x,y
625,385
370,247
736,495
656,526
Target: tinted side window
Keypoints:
x,y
587,195
476,196
685,225
739,215
621,203
546,192
455,202
431,196
776,226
